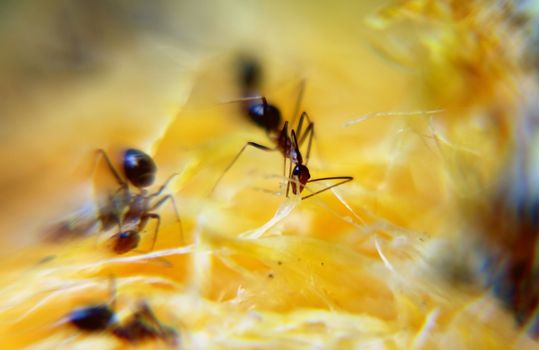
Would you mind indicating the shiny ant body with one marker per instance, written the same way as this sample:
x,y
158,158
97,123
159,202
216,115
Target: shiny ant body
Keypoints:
x,y
142,325
132,211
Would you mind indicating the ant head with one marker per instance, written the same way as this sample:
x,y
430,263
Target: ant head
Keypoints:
x,y
126,241
265,115
302,175
139,168
92,318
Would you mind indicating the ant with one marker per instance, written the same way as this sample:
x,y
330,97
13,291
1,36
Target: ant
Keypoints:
x,y
268,117
288,145
142,325
132,211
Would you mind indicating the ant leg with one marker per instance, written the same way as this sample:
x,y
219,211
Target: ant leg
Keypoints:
x,y
301,136
176,213
162,188
298,101
289,178
309,132
344,179
252,144
117,176
144,219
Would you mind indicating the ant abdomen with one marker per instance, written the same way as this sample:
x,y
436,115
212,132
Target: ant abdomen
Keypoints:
x,y
139,168
265,115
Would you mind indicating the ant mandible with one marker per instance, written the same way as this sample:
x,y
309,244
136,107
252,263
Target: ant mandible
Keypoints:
x,y
132,211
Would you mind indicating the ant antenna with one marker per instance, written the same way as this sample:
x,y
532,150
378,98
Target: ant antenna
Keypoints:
x,y
344,179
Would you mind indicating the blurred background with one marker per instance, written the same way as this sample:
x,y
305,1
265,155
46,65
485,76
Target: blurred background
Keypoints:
x,y
429,105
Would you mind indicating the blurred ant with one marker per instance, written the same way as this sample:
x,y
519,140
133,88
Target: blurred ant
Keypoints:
x,y
142,325
263,114
283,142
132,211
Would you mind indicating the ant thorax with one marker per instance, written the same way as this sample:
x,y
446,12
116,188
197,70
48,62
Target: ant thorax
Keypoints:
x,y
294,156
138,205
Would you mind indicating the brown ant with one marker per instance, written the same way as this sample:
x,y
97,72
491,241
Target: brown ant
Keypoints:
x,y
132,211
142,325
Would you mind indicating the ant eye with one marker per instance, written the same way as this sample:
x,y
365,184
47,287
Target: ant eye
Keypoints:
x,y
139,168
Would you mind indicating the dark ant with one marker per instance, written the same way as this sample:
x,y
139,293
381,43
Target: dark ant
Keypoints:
x,y
142,325
288,144
268,117
132,211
